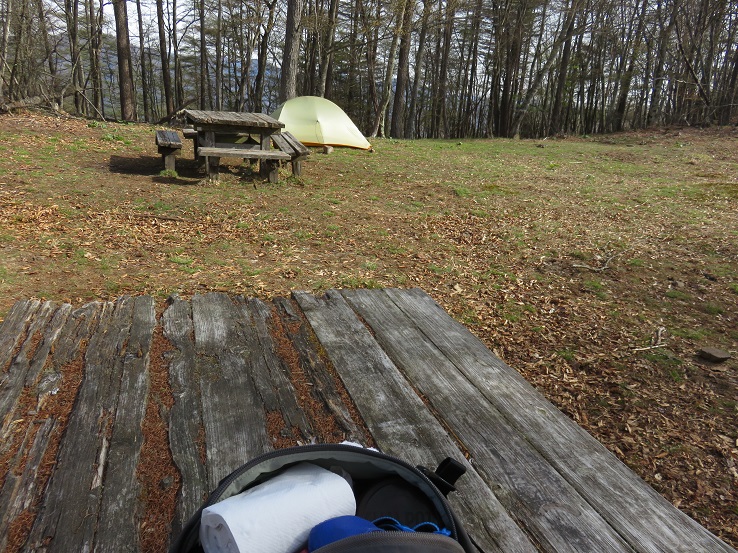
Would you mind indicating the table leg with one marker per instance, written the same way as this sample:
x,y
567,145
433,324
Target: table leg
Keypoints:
x,y
212,167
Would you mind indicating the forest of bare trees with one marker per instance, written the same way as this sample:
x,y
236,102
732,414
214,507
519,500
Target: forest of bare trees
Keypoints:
x,y
400,68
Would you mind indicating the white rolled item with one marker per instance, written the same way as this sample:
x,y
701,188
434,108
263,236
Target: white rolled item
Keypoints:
x,y
277,515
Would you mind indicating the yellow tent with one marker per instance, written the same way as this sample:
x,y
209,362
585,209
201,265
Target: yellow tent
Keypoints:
x,y
315,121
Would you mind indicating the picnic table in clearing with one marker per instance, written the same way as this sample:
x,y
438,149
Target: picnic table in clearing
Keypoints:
x,y
105,406
220,134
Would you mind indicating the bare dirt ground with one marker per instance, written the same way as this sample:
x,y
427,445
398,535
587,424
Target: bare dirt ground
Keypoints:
x,y
597,267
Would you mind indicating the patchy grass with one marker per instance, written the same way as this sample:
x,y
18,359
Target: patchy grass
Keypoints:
x,y
566,257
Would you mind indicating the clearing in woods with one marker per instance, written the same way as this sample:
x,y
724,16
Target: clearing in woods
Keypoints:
x,y
596,266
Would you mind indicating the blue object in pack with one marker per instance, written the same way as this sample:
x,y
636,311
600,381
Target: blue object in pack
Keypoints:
x,y
335,529
389,523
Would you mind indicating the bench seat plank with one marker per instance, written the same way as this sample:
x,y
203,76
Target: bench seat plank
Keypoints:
x,y
168,139
210,151
398,419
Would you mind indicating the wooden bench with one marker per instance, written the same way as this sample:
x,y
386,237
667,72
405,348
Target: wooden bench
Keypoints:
x,y
269,158
170,147
286,142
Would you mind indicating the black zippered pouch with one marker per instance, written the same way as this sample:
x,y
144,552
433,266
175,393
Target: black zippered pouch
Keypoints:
x,y
384,484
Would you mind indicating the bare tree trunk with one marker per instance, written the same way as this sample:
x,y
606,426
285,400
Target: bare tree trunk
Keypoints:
x,y
6,13
219,57
567,30
164,54
204,85
95,26
397,126
628,77
658,74
142,54
71,9
125,71
556,122
440,114
288,80
419,59
258,98
380,115
178,79
328,42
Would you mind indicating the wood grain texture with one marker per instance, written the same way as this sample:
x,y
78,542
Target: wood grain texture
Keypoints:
x,y
538,498
246,153
68,519
232,411
397,418
19,490
324,390
424,385
121,489
185,416
22,368
168,139
278,379
201,118
636,511
13,330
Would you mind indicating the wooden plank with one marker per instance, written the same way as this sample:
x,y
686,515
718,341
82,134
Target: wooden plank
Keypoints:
x,y
265,355
24,490
398,419
185,416
529,488
22,370
13,329
118,514
242,153
68,518
268,121
645,519
20,487
281,142
303,340
168,139
228,118
233,414
298,146
245,146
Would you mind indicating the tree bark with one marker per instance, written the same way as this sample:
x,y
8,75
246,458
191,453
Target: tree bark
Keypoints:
x,y
380,115
329,37
7,13
142,54
397,126
125,71
419,59
164,54
262,59
288,79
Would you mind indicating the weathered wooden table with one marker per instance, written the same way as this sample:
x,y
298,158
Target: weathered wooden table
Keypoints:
x,y
117,418
236,134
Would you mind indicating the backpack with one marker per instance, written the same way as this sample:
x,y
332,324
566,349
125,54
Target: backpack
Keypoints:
x,y
404,507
